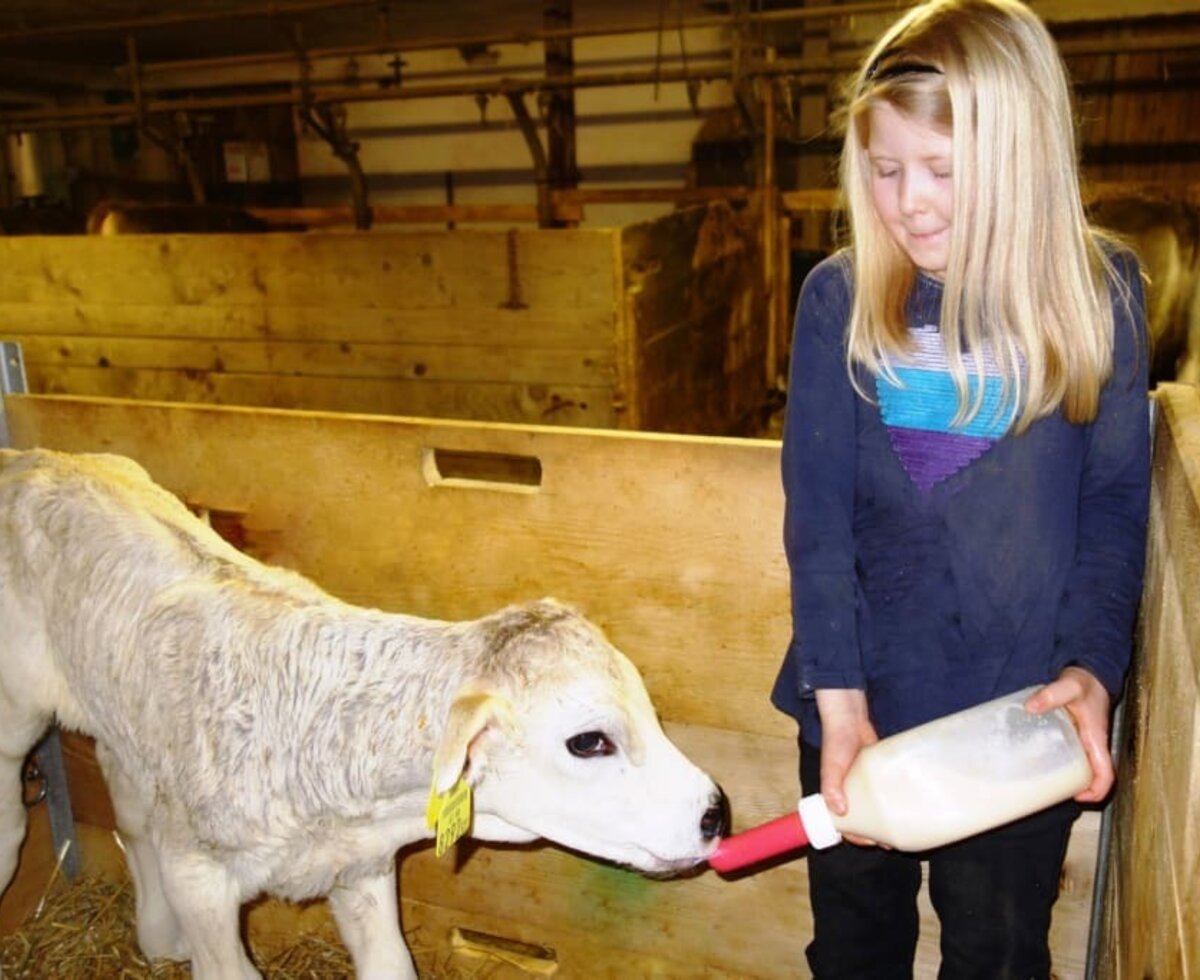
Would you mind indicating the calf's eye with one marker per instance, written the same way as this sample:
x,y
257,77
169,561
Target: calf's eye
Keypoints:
x,y
588,745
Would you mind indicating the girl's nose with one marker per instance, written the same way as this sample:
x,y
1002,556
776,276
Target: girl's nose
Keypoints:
x,y
912,196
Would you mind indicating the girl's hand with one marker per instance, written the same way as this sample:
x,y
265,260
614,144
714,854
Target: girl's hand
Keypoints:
x,y
845,729
1088,702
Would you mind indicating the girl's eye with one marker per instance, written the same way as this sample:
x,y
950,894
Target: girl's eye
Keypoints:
x,y
945,176
884,174
589,745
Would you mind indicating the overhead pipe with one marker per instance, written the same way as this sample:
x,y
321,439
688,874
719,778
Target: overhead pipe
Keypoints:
x,y
170,140
107,115
1101,46
124,25
328,120
387,47
69,117
541,166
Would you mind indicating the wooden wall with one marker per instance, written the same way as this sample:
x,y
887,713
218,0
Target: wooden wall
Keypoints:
x,y
1152,902
672,543
697,307
657,325
1137,109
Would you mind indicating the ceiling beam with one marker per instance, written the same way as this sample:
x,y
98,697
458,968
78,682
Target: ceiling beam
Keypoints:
x,y
67,29
1076,12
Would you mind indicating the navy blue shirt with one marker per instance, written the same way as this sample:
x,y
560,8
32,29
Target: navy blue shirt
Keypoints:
x,y
934,566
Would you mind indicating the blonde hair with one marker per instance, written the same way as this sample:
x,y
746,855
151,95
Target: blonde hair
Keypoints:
x,y
1025,273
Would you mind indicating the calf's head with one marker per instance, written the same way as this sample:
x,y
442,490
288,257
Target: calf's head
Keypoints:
x,y
559,739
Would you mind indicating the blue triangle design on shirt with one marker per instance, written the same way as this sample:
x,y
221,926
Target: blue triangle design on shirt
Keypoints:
x,y
919,413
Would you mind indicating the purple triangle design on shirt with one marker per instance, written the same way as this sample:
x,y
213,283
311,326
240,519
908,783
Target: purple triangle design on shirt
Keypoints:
x,y
930,457
919,404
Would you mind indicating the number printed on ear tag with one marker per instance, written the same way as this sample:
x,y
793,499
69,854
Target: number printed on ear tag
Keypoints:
x,y
451,813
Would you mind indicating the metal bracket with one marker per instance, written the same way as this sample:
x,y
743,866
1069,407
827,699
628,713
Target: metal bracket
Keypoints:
x,y
12,381
58,803
49,751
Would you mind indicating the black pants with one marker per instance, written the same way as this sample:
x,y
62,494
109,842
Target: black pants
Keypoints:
x,y
992,893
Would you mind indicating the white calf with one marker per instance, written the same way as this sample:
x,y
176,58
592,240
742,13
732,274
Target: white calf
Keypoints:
x,y
260,736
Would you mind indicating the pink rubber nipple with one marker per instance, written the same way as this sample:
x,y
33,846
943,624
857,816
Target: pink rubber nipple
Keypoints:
x,y
759,843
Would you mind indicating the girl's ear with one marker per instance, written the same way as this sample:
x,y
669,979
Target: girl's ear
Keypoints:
x,y
475,719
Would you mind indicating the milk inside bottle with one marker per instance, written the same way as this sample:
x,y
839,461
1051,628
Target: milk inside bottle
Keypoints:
x,y
937,783
963,774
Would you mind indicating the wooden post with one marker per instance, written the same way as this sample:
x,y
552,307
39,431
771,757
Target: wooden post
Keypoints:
x,y
769,211
6,173
560,103
814,119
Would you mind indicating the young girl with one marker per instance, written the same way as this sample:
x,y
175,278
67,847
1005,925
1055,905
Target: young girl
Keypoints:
x,y
966,461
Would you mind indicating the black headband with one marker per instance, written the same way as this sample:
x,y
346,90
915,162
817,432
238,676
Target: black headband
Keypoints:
x,y
898,69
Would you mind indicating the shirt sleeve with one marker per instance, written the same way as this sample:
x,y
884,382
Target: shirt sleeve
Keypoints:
x,y
818,463
1099,606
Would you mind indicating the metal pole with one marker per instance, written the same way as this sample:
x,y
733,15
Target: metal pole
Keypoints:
x,y
12,381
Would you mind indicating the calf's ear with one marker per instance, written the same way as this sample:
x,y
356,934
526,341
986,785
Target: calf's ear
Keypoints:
x,y
475,718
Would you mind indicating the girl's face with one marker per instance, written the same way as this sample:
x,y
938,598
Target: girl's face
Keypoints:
x,y
912,185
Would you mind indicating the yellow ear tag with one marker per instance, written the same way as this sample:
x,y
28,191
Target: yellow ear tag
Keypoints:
x,y
450,813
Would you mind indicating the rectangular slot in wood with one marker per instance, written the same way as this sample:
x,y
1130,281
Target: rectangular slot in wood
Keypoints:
x,y
481,470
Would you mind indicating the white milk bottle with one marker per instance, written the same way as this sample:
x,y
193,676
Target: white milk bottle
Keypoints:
x,y
937,783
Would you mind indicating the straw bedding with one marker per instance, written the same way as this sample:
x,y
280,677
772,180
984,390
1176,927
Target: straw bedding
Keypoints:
x,y
85,931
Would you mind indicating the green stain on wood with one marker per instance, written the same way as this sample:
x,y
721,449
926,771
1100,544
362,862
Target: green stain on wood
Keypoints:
x,y
607,890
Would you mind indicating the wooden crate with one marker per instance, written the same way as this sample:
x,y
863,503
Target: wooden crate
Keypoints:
x,y
672,543
658,325
1152,902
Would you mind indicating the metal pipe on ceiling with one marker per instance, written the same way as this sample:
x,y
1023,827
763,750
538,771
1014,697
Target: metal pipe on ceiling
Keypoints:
x,y
74,117
531,37
123,114
109,115
126,24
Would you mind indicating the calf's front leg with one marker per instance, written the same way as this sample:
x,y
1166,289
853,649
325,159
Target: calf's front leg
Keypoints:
x,y
158,930
368,917
207,904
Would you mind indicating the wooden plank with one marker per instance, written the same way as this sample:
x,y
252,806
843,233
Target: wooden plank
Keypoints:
x,y
500,363
383,214
90,801
684,520
627,392
681,196
392,270
536,402
34,872
566,328
1151,906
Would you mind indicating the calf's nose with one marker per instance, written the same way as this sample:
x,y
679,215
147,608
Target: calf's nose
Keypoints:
x,y
715,821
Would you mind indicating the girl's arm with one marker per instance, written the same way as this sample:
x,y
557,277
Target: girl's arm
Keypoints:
x,y
818,477
1094,631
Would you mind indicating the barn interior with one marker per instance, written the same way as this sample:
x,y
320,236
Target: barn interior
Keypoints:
x,y
531,266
